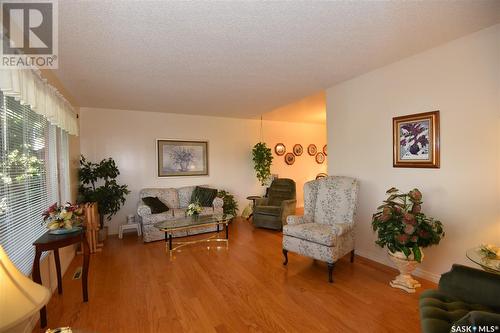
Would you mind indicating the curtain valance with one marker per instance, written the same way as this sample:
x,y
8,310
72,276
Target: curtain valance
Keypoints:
x,y
28,87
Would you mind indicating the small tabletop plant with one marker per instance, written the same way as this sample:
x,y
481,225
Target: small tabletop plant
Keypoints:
x,y
401,225
230,206
65,216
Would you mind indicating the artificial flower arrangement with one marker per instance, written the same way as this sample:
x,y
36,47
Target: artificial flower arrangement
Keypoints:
x,y
194,209
401,225
65,216
490,251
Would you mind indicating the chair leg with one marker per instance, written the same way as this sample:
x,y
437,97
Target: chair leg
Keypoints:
x,y
352,256
330,272
285,253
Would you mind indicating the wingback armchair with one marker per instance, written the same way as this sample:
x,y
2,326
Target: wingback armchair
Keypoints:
x,y
271,212
325,231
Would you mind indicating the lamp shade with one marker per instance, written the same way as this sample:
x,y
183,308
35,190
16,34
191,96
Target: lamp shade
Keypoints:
x,y
20,297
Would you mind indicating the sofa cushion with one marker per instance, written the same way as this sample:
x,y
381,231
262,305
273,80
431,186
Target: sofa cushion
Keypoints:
x,y
204,195
281,189
185,194
268,210
335,200
155,204
439,311
168,196
314,232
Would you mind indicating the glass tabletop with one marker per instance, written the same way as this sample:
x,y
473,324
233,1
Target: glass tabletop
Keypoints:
x,y
488,264
193,221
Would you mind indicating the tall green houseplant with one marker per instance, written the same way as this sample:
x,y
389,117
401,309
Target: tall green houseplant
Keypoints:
x,y
98,184
262,158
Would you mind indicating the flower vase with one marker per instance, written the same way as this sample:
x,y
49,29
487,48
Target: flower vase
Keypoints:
x,y
406,266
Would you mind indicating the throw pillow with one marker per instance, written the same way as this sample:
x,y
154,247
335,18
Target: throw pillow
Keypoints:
x,y
204,195
155,205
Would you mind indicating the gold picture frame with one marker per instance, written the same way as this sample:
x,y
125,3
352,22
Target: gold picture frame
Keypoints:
x,y
177,158
416,140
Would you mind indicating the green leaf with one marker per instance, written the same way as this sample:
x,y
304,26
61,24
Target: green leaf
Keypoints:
x,y
417,254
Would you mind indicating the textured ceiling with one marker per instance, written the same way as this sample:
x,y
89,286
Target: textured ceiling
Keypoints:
x,y
310,109
241,59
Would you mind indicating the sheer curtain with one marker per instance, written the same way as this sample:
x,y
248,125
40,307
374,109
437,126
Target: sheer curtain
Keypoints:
x,y
35,121
29,88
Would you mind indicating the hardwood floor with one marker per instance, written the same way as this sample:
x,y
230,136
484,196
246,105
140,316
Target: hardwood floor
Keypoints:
x,y
135,287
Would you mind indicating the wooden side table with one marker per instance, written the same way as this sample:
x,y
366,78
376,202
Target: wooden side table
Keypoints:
x,y
253,198
49,242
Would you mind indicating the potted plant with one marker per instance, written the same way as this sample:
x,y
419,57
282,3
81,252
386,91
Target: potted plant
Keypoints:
x,y
230,206
262,158
194,209
98,184
405,230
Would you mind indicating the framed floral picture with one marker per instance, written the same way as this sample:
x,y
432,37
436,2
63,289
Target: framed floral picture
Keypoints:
x,y
182,158
416,140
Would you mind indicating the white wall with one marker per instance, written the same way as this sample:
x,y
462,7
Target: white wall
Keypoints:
x,y
462,80
129,137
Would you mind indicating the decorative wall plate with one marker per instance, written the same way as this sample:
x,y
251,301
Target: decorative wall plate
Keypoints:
x,y
320,158
312,150
298,150
280,149
289,158
325,150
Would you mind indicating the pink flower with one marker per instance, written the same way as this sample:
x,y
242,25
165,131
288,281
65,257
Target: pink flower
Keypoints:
x,y
414,239
424,234
415,195
403,238
409,219
417,208
409,229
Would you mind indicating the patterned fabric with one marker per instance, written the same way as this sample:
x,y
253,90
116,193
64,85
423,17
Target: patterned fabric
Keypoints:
x,y
324,234
156,205
168,196
330,254
185,194
336,200
326,231
218,203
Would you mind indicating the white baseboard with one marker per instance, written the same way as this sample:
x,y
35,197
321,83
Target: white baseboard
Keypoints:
x,y
385,261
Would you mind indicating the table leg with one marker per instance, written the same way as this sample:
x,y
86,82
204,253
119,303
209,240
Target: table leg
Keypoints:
x,y
170,242
86,260
58,271
217,228
38,279
227,230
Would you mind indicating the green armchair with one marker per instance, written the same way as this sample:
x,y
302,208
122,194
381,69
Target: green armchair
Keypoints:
x,y
466,297
271,212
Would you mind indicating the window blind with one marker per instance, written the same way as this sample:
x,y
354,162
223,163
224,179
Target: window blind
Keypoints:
x,y
28,178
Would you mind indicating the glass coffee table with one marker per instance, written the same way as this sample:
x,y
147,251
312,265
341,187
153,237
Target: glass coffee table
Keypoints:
x,y
488,264
194,222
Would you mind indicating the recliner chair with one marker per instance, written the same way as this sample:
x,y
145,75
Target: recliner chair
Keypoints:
x,y
271,212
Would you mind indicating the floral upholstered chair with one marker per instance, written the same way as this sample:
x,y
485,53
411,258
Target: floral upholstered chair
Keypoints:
x,y
326,230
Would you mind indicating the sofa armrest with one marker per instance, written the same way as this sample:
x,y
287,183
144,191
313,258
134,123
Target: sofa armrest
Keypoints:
x,y
218,203
262,202
143,210
471,285
478,318
287,208
295,219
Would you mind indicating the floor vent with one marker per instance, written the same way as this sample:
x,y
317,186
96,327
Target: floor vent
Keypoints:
x,y
78,273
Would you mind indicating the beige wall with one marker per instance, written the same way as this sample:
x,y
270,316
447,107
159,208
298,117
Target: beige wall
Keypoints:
x,y
462,80
129,137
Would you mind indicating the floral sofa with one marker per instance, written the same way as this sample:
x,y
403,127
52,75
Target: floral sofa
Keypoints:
x,y
177,200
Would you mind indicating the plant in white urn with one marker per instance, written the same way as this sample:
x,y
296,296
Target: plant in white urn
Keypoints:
x,y
405,230
194,209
